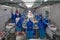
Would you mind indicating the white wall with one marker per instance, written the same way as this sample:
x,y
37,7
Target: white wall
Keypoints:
x,y
55,14
4,16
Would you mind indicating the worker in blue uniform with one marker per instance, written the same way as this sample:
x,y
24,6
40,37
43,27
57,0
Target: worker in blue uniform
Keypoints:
x,y
17,14
46,22
19,25
29,32
46,19
13,17
41,26
38,17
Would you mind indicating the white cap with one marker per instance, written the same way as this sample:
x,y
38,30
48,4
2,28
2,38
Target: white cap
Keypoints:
x,y
30,15
29,11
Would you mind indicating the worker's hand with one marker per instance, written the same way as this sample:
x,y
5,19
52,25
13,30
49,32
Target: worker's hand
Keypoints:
x,y
47,23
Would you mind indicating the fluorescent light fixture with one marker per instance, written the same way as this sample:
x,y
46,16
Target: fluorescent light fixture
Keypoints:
x,y
29,4
45,0
11,0
28,0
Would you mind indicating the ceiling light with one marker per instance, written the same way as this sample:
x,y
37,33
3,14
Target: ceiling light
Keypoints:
x,y
11,0
29,4
28,0
45,0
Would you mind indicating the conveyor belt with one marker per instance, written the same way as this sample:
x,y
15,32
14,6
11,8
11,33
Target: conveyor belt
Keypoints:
x,y
7,34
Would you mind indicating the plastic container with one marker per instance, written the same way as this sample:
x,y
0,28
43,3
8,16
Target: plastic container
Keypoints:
x,y
20,36
9,26
52,27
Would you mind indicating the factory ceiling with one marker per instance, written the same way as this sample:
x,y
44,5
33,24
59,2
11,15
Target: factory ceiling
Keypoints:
x,y
22,3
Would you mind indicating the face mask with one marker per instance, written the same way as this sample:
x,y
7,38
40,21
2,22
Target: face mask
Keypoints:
x,y
17,14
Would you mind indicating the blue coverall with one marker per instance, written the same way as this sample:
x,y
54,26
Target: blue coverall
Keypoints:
x,y
13,18
42,31
19,25
41,26
29,25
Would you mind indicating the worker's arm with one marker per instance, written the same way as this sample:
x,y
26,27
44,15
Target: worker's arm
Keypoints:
x,y
45,22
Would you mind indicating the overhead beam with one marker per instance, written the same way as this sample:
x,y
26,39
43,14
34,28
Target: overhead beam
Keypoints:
x,y
12,4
